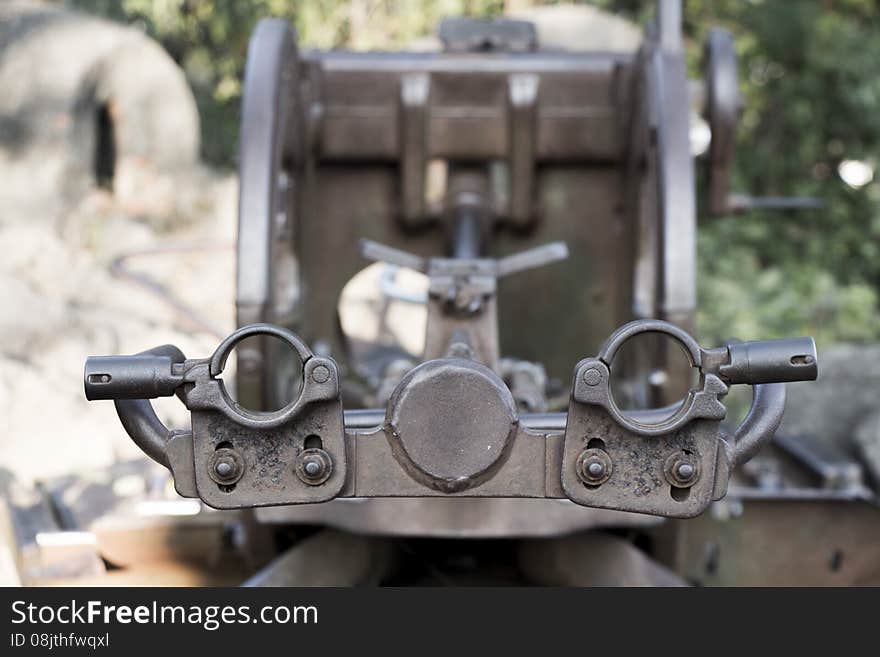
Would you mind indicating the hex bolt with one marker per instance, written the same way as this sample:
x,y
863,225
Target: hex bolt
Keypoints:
x,y
313,466
594,467
682,469
321,374
592,376
226,466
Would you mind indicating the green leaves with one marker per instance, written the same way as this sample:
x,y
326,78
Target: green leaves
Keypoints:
x,y
810,73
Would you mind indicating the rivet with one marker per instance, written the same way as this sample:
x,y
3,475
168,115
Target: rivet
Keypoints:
x,y
321,374
592,376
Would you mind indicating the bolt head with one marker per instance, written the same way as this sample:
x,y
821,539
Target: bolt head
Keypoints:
x,y
682,470
594,467
313,466
685,470
321,374
592,376
226,466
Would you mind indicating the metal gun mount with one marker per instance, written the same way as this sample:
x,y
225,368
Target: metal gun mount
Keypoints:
x,y
451,426
526,146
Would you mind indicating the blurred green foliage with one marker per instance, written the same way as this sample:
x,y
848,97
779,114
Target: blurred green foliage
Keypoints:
x,y
809,78
810,75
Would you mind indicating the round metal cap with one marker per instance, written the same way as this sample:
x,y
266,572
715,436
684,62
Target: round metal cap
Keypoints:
x,y
449,421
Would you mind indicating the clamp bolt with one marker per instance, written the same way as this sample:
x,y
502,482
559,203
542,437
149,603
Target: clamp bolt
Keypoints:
x,y
592,376
682,470
313,466
594,467
226,466
321,374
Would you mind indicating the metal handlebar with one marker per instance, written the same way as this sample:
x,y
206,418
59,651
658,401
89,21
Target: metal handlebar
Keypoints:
x,y
131,381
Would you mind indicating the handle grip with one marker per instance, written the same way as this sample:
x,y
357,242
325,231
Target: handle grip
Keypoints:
x,y
142,376
771,361
762,421
132,381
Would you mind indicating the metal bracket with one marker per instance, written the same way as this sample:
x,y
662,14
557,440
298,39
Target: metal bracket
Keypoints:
x,y
451,428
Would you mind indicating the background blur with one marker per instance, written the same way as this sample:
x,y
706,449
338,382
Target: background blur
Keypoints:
x,y
147,257
811,127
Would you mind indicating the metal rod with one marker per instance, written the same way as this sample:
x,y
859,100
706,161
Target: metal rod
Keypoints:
x,y
140,420
375,417
144,428
466,241
768,405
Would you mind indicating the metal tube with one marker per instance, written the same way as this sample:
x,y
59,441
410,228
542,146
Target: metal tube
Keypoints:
x,y
771,361
765,415
375,417
143,376
144,428
466,240
140,421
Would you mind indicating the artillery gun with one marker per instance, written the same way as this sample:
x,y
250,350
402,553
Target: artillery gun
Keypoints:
x,y
547,201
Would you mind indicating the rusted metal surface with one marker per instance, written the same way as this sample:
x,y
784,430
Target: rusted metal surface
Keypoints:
x,y
594,559
270,160
777,542
450,423
378,119
455,517
452,427
328,558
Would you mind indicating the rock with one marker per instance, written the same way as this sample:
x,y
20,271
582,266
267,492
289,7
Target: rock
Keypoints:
x,y
834,407
62,73
579,27
87,101
867,440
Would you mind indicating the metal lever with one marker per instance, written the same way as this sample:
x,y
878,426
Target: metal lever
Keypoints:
x,y
532,258
512,264
381,253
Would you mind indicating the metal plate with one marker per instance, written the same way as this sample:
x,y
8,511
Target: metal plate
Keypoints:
x,y
638,482
779,543
269,457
